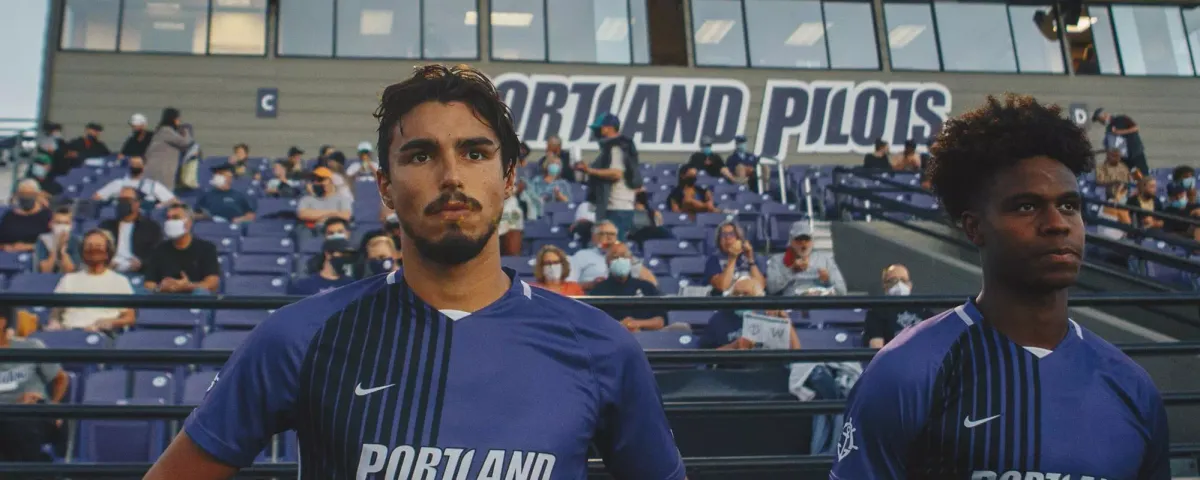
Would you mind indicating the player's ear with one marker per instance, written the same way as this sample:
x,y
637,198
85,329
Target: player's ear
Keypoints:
x,y
970,222
510,179
384,183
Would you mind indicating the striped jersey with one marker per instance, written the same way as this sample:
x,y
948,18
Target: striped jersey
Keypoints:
x,y
378,384
953,398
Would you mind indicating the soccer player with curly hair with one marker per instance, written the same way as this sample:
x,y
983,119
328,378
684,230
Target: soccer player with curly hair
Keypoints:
x,y
1006,386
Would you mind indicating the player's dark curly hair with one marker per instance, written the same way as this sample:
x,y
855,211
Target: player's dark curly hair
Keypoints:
x,y
974,146
445,84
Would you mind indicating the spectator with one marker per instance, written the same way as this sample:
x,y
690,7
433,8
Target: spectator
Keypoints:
x,y
82,148
183,264
241,154
1112,171
910,160
878,159
708,162
99,250
1124,127
136,236
801,271
622,283
167,146
366,166
337,269
554,149
544,188
29,218
1186,176
336,163
221,202
1118,194
27,384
151,193
295,164
884,323
58,250
551,270
585,218
734,259
280,185
138,140
590,265
50,141
39,170
322,201
689,198
334,228
379,256
724,328
648,223
391,229
615,175
742,163
512,226
1147,199
322,153
1178,205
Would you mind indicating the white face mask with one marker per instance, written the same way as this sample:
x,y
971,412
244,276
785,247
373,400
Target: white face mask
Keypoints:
x,y
218,181
174,228
60,229
553,273
900,289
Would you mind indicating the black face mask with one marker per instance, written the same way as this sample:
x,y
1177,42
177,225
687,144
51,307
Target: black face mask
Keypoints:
x,y
689,181
26,203
135,171
319,190
124,208
339,265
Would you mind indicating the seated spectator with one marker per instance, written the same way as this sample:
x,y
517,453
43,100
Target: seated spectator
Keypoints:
x,y
621,283
585,218
742,163
98,251
590,265
322,201
734,259
551,269
545,187
27,383
909,160
136,235
1147,199
647,221
28,219
151,193
322,153
39,171
241,153
280,185
58,250
366,166
336,163
554,149
883,323
334,228
295,163
391,229
183,264
1186,177
1112,171
139,139
337,269
801,271
724,329
82,148
709,162
221,202
1117,193
512,226
689,198
878,159
1178,205
379,256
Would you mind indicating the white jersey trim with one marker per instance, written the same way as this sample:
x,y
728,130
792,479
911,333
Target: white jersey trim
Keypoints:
x,y
1078,329
962,314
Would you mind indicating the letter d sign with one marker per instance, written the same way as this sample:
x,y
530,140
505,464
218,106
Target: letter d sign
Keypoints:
x,y
267,103
1079,114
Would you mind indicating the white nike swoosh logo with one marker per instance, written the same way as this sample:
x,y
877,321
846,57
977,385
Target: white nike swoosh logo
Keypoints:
x,y
967,422
360,391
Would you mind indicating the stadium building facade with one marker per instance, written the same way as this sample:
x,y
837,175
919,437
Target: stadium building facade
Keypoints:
x,y
810,80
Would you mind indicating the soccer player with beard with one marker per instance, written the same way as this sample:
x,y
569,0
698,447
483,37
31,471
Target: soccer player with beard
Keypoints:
x,y
1006,386
451,368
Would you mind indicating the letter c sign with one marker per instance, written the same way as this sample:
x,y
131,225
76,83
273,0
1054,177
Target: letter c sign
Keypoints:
x,y
267,103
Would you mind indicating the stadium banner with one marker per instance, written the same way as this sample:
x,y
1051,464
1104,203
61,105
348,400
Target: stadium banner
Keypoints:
x,y
671,114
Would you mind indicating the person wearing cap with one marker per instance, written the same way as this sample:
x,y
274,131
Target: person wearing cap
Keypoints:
x,y
323,200
336,163
151,193
1178,205
167,146
614,174
1124,127
801,271
295,163
139,139
83,148
742,162
366,166
222,202
710,162
336,271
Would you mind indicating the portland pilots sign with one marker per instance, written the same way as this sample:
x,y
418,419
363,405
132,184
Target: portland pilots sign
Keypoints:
x,y
668,114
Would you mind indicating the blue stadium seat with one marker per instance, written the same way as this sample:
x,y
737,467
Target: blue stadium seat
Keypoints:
x,y
225,245
138,441
106,386
181,318
256,285
689,266
659,266
543,230
13,262
271,207
153,386
213,230
568,246
308,244
690,317
236,319
224,340
695,234
832,317
668,285
827,339
667,248
270,228
556,208
73,339
195,386
667,340
672,219
34,282
521,264
267,245
711,219
251,264
155,339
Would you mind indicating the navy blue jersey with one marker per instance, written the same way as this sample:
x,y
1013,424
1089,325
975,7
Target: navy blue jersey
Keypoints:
x,y
952,398
378,384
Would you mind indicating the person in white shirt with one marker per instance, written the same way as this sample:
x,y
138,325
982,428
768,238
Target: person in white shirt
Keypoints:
x,y
152,191
96,278
365,166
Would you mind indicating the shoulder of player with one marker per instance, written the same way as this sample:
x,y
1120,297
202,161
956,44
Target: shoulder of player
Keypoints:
x,y
919,350
595,330
299,322
1126,373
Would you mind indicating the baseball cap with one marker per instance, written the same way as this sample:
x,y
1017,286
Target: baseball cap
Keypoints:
x,y
137,120
1096,114
739,139
606,120
365,147
706,141
94,126
322,172
800,229
295,151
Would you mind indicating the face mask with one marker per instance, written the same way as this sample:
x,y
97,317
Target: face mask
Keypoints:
x,y
1180,203
39,171
707,150
338,264
553,169
26,203
900,289
319,190
381,265
174,228
620,267
218,181
689,181
135,171
336,236
1188,183
553,272
741,148
60,229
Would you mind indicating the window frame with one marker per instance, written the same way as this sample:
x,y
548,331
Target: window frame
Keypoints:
x,y
1011,40
116,41
420,38
1186,39
937,37
491,54
1117,39
207,36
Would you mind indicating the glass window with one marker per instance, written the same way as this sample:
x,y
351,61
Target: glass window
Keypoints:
x,y
975,37
590,31
519,29
1151,40
451,29
305,28
786,33
1038,49
639,24
1093,49
718,33
378,29
90,25
850,32
239,27
911,41
1191,23
165,27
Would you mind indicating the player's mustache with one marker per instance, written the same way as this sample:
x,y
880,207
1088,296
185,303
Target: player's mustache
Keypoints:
x,y
437,205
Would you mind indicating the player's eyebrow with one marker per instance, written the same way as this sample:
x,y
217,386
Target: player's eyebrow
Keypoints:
x,y
419,144
472,142
461,144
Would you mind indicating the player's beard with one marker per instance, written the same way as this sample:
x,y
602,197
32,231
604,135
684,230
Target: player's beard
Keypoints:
x,y
456,247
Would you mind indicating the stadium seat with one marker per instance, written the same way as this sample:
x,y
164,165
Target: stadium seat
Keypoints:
x,y
256,285
668,285
568,246
275,207
34,282
827,339
659,266
690,317
105,386
522,265
226,245
195,386
139,441
667,340
543,230
689,266
309,245
13,262
695,234
235,319
270,228
71,339
155,339
711,219
672,219
832,317
224,340
267,245
667,248
181,318
251,264
213,230
153,386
